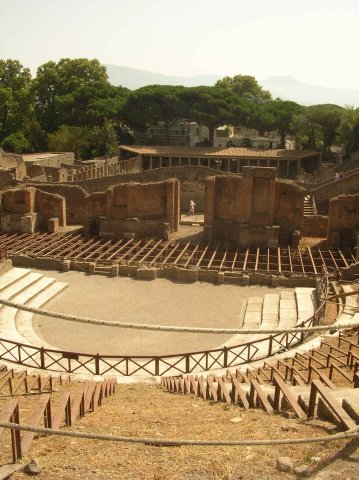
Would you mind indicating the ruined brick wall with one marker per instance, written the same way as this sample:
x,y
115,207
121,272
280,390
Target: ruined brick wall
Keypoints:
x,y
192,182
347,185
55,161
49,205
343,223
147,206
315,226
75,197
20,201
250,209
288,210
38,207
157,200
14,163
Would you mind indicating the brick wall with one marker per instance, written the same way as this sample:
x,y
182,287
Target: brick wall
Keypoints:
x,y
343,223
250,209
315,226
347,185
192,182
149,201
288,210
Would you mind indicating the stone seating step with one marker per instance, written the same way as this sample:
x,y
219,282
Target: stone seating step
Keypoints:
x,y
12,276
24,320
7,314
16,287
307,303
287,310
253,313
270,312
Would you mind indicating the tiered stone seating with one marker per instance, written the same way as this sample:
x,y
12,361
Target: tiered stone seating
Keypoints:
x,y
284,310
22,286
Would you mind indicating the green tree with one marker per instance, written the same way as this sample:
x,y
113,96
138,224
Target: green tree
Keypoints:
x,y
277,115
210,106
316,126
16,101
85,142
75,92
348,130
245,86
152,104
16,143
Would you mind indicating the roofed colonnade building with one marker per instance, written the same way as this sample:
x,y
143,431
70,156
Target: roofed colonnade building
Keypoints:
x,y
288,163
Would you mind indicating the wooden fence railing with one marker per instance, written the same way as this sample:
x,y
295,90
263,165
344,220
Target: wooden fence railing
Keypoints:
x,y
52,414
181,363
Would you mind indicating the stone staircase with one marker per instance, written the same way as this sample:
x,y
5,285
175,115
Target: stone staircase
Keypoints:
x,y
310,208
284,310
21,285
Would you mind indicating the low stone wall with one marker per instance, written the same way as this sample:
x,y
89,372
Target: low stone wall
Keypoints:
x,y
347,185
36,262
315,226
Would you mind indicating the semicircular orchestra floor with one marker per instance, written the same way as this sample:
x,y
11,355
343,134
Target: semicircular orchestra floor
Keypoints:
x,y
156,302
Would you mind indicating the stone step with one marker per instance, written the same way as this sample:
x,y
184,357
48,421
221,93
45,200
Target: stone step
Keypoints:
x,y
24,320
12,276
23,283
287,310
253,314
32,290
7,314
270,312
307,303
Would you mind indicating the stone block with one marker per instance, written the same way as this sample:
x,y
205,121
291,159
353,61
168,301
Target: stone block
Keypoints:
x,y
114,270
129,235
66,265
53,225
127,270
92,268
220,278
186,276
146,274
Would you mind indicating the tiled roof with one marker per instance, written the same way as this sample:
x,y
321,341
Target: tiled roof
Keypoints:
x,y
231,152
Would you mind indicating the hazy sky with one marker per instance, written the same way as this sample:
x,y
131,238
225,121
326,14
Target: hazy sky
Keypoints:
x,y
315,41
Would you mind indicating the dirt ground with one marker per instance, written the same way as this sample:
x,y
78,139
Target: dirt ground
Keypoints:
x,y
147,411
154,302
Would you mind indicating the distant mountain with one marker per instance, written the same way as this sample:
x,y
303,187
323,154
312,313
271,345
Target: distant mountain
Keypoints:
x,y
288,88
133,78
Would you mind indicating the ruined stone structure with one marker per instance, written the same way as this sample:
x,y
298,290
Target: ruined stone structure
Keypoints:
x,y
135,210
255,209
12,167
287,163
343,224
30,210
138,210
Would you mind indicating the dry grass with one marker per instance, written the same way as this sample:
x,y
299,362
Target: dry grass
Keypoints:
x,y
147,411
